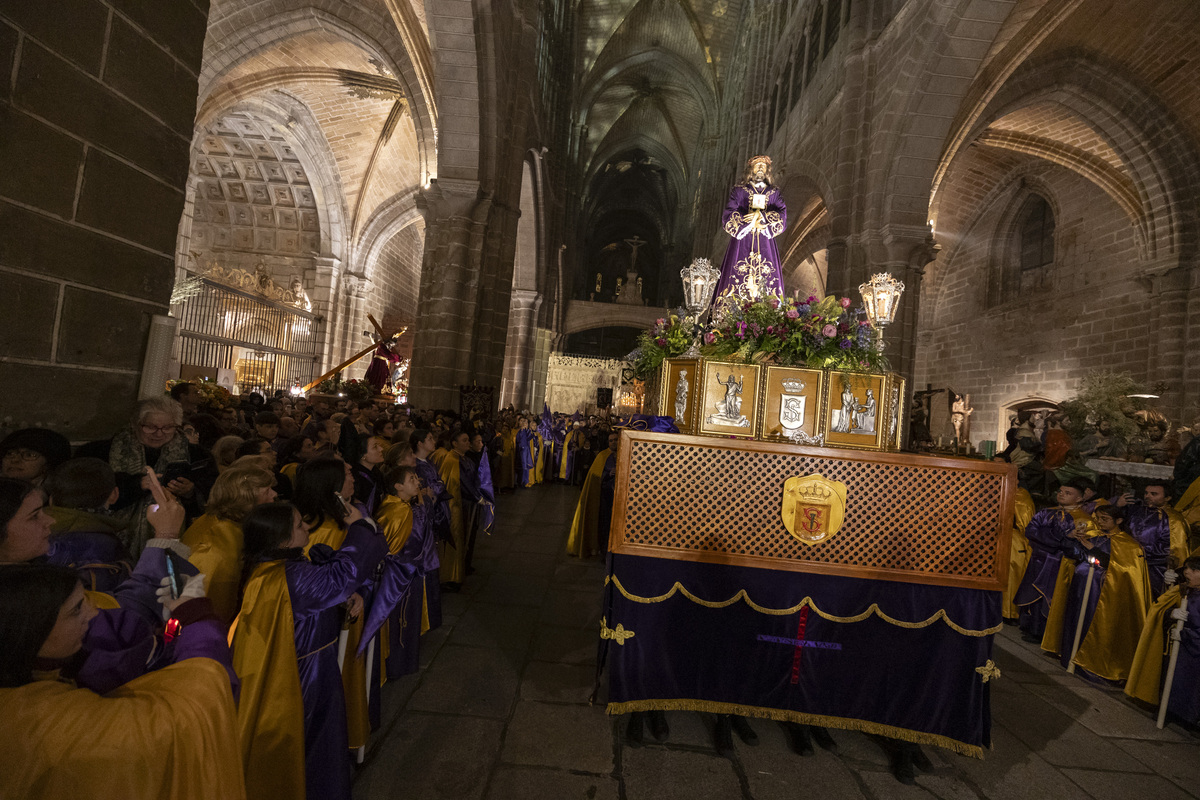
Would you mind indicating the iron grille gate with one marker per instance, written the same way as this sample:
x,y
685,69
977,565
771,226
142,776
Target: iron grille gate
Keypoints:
x,y
268,344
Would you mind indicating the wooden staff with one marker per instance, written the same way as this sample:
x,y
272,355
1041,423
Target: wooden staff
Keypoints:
x,y
1176,632
1087,591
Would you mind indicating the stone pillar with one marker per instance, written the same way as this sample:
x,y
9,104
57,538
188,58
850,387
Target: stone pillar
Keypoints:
x,y
518,355
456,216
321,286
1169,290
97,109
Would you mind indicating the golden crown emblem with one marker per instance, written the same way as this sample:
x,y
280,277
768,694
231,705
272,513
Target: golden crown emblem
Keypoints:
x,y
813,493
792,385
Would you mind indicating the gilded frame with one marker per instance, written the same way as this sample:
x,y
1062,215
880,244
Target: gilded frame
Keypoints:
x,y
837,418
771,425
671,369
749,377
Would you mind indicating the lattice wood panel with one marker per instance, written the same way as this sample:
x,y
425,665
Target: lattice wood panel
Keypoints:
x,y
908,518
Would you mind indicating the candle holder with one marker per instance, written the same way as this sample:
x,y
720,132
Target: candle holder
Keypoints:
x,y
699,282
881,296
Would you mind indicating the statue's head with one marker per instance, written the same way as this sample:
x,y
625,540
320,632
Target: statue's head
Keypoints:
x,y
758,168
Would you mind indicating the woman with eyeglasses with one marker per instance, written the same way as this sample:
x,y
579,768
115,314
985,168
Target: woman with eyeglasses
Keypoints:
x,y
153,438
31,454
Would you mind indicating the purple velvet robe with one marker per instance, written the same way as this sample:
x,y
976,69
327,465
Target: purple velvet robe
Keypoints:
x,y
1152,529
316,588
751,269
1075,596
527,453
1185,688
1048,535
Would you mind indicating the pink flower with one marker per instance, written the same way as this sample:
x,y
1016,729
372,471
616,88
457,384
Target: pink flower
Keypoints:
x,y
845,301
829,331
660,321
793,314
710,337
812,298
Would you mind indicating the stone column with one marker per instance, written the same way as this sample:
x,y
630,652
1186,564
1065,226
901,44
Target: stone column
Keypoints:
x,y
321,287
1169,290
456,216
518,355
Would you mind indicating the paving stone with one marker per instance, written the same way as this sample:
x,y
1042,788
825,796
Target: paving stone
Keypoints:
x,y
565,645
580,610
527,564
774,772
432,757
654,773
510,783
468,680
513,590
1177,762
538,543
504,627
884,786
947,787
558,683
1104,785
1010,771
1104,714
576,737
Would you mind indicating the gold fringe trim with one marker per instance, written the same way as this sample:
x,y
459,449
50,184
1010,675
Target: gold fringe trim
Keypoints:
x,y
783,715
743,596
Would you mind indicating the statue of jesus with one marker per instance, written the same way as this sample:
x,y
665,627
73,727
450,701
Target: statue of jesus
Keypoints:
x,y
754,217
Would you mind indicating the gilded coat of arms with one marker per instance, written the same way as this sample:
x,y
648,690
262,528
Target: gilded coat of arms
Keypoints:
x,y
813,507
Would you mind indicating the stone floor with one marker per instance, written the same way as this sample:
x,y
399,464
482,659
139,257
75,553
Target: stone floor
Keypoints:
x,y
500,712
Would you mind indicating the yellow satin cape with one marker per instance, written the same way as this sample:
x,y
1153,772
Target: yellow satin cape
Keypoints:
x,y
395,519
1019,552
169,734
354,667
504,468
101,600
539,461
217,552
562,459
453,559
1188,506
1052,638
289,471
1179,536
1109,644
270,707
583,540
1153,646
438,456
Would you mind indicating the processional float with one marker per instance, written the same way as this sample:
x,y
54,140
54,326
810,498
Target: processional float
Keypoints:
x,y
781,559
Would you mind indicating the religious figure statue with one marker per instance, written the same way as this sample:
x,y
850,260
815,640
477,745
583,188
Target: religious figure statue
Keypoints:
x,y
754,217
864,416
681,394
299,296
960,417
729,410
844,417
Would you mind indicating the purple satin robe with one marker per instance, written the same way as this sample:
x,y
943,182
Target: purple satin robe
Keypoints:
x,y
1185,689
316,589
1152,528
1047,533
751,269
1075,597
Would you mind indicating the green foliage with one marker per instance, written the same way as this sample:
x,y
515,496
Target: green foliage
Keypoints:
x,y
353,389
822,334
670,337
1103,395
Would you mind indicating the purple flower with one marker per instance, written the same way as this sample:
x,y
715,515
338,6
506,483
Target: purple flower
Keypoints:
x,y
793,314
844,344
661,342
812,299
829,331
710,337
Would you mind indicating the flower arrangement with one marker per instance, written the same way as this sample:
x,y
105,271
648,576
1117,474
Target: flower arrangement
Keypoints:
x,y
818,333
353,389
670,337
214,394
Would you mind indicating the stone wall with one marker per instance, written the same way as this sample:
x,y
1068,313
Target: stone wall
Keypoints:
x,y
96,109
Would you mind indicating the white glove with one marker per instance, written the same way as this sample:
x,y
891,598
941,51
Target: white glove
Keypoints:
x,y
193,587
1179,614
1169,577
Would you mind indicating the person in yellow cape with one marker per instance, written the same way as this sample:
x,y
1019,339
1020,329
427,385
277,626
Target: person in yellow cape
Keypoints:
x,y
570,445
324,489
398,606
1023,510
216,537
538,444
296,451
453,554
168,733
584,539
1145,519
1117,602
504,465
291,713
1148,670
442,450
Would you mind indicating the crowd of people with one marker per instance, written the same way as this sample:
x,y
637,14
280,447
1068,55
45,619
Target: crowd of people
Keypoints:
x,y
251,574
1108,582
255,571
